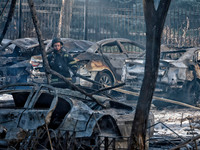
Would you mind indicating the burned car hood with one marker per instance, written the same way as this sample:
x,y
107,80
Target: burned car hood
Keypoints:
x,y
186,59
72,46
26,43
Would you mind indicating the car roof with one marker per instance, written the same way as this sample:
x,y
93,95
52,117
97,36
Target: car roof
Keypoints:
x,y
108,40
111,40
188,54
25,43
73,45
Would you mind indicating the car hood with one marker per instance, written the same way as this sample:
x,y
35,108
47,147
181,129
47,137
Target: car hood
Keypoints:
x,y
25,43
185,59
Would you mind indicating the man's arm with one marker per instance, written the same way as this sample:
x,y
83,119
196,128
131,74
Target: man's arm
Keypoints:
x,y
72,63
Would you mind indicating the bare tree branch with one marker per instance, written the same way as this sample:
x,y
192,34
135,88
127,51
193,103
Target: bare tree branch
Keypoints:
x,y
4,8
9,19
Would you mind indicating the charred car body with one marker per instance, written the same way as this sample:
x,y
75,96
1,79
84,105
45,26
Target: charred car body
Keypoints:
x,y
178,75
101,61
14,57
33,111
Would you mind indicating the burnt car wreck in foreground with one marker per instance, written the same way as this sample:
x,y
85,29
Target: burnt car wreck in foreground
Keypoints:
x,y
38,117
178,75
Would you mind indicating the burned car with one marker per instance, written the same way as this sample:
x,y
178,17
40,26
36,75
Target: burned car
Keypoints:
x,y
101,61
42,116
15,56
178,75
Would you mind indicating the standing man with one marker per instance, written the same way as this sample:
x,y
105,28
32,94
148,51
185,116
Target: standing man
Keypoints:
x,y
60,60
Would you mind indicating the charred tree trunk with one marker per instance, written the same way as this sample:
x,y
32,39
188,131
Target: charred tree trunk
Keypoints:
x,y
155,20
9,19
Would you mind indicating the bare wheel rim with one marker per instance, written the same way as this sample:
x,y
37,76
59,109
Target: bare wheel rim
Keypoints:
x,y
105,80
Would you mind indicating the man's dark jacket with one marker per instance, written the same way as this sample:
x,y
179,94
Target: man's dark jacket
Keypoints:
x,y
61,61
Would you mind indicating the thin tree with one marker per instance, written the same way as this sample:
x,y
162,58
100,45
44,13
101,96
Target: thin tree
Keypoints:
x,y
154,19
61,18
9,19
65,18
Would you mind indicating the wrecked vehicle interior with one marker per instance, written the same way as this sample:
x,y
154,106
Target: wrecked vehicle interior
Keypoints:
x,y
178,75
34,116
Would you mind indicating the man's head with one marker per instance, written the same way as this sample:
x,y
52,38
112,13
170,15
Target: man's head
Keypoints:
x,y
57,44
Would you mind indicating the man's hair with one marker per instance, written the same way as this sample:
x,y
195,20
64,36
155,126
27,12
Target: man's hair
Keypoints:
x,y
56,40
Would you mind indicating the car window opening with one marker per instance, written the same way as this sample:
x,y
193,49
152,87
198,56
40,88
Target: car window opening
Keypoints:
x,y
110,49
13,100
20,98
44,101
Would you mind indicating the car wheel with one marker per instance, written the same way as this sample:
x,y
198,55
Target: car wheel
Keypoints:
x,y
104,79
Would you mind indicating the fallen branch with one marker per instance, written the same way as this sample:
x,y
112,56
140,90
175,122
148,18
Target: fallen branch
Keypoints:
x,y
108,88
185,143
9,19
157,98
4,9
74,86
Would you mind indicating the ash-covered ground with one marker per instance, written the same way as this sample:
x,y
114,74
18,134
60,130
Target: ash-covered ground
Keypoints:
x,y
175,125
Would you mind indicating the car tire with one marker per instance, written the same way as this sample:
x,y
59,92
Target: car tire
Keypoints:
x,y
104,79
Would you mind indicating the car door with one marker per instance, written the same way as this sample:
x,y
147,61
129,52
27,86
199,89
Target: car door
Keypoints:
x,y
40,109
114,57
13,102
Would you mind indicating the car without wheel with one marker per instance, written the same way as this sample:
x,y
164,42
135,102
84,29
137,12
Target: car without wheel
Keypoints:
x,y
33,115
